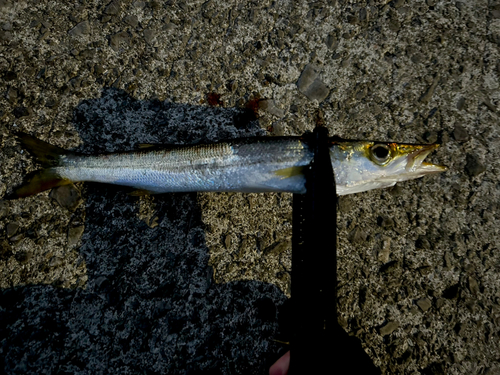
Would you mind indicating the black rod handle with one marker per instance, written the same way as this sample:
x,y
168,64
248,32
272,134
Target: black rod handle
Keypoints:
x,y
314,262
318,343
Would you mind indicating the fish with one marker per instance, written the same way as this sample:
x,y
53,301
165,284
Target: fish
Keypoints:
x,y
250,165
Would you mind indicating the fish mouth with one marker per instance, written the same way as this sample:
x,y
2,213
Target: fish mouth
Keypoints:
x,y
416,160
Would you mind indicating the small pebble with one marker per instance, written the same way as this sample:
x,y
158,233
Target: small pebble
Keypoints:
x,y
385,222
20,111
473,286
278,129
423,243
67,196
46,23
427,96
345,203
311,86
23,257
309,74
4,209
389,328
118,38
227,242
398,3
431,136
80,29
113,8
362,14
132,20
101,282
357,235
139,4
385,250
424,304
417,58
11,95
74,235
460,133
440,303
390,267
6,36
149,36
7,26
331,41
278,248
451,292
269,106
55,261
10,76
474,166
11,229
487,102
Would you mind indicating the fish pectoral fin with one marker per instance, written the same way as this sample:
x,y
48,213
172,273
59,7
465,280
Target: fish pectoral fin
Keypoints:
x,y
290,172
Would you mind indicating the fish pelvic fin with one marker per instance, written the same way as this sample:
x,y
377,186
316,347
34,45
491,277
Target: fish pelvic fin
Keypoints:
x,y
37,182
140,193
46,154
289,172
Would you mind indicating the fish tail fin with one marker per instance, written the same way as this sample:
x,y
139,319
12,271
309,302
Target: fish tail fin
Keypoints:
x,y
46,154
49,156
37,182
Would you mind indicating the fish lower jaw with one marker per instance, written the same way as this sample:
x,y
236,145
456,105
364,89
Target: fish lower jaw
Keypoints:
x,y
359,188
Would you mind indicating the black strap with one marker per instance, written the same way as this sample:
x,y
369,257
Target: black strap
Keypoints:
x,y
318,342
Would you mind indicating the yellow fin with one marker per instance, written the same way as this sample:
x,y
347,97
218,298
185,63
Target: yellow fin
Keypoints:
x,y
38,181
45,153
142,146
289,172
281,342
139,192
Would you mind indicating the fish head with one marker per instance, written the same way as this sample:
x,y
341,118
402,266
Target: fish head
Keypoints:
x,y
366,165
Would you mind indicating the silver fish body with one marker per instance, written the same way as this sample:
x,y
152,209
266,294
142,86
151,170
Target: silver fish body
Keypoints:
x,y
242,165
249,165
239,166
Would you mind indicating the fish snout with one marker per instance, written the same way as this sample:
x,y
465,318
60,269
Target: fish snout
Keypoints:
x,y
417,157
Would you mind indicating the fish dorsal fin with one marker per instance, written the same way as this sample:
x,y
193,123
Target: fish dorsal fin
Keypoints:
x,y
158,146
290,172
142,146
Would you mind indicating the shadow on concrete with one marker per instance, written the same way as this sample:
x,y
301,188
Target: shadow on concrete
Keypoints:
x,y
150,305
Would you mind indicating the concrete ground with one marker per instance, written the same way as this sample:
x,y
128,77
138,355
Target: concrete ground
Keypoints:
x,y
93,280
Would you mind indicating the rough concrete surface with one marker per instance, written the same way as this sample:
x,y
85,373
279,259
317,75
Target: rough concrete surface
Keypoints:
x,y
96,281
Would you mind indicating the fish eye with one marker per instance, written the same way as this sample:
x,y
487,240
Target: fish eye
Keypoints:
x,y
381,153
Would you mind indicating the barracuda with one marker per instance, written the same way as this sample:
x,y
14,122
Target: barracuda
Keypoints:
x,y
241,165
